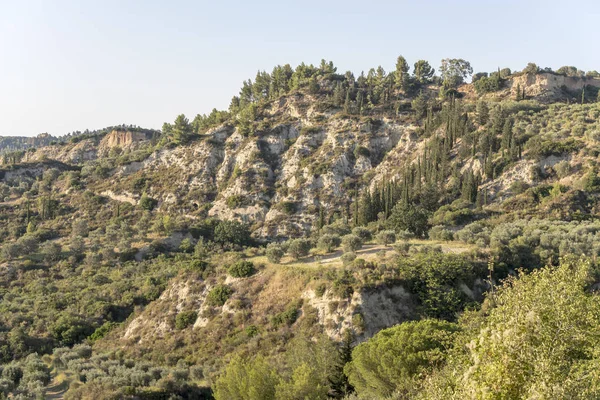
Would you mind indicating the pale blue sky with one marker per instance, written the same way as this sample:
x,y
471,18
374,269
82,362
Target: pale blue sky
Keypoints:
x,y
71,65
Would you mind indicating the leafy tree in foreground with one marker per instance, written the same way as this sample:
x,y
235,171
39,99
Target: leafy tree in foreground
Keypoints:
x,y
397,359
246,380
542,340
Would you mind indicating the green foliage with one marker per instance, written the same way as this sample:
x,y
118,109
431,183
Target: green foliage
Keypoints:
x,y
274,253
348,257
185,319
69,330
218,295
363,233
288,316
236,201
423,72
351,243
440,233
287,207
147,203
102,331
419,105
329,242
454,71
435,279
231,232
457,213
408,217
591,182
539,148
386,237
299,248
493,83
246,380
396,360
539,340
241,269
360,151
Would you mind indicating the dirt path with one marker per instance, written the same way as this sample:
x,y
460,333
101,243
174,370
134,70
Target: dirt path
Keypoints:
x,y
57,388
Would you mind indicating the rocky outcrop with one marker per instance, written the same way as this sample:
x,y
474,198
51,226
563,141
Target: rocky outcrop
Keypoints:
x,y
366,312
124,140
548,86
69,153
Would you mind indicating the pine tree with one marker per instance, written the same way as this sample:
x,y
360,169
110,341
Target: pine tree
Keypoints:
x,y
507,134
483,112
339,94
338,381
347,103
401,73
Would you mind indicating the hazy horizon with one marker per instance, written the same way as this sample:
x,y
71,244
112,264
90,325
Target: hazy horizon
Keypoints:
x,y
70,66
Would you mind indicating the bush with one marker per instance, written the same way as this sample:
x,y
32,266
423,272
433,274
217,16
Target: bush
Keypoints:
x,y
435,279
329,242
287,317
147,203
185,319
519,187
219,295
360,151
299,248
408,217
232,232
11,251
186,246
363,233
351,243
236,201
241,269
51,251
287,207
386,237
274,253
440,233
347,258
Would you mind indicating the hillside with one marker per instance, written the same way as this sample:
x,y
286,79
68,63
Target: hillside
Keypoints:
x,y
273,237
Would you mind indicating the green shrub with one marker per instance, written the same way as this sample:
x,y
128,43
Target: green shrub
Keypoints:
x,y
329,242
274,253
287,207
519,187
299,248
219,295
102,331
236,201
440,233
231,232
351,243
185,319
348,257
287,317
241,269
147,203
363,233
360,151
386,237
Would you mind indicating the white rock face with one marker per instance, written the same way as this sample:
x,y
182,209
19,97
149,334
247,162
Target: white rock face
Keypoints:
x,y
379,308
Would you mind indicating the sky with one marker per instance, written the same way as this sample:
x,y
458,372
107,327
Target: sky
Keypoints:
x,y
75,65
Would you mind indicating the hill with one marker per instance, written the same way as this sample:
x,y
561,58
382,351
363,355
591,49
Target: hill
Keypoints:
x,y
319,210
